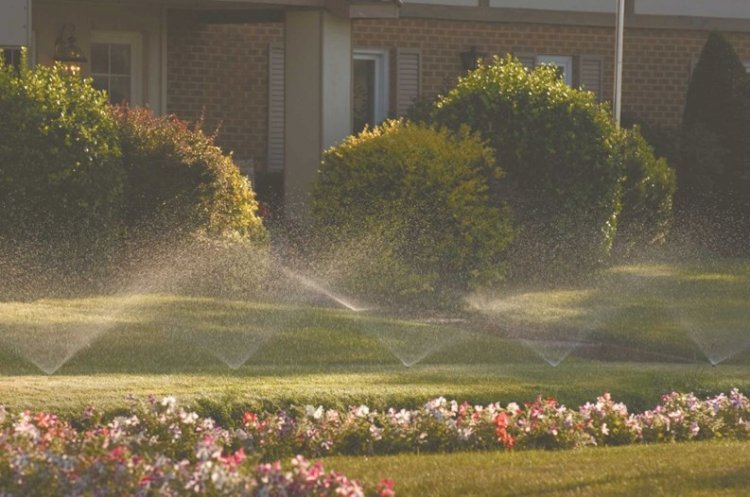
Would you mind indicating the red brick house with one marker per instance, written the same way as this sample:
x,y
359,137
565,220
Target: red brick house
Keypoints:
x,y
286,79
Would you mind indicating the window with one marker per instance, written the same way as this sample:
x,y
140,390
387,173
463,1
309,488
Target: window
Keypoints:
x,y
584,71
564,65
116,64
370,88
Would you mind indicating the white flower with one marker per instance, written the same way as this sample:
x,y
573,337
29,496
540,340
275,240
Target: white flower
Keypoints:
x,y
362,411
312,412
402,417
188,418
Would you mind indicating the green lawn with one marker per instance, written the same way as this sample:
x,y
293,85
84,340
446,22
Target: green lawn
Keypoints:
x,y
636,331
688,469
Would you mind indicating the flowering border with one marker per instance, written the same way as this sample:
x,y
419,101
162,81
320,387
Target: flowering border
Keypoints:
x,y
162,448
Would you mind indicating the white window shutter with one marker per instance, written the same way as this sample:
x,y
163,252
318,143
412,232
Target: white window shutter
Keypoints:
x,y
527,59
408,77
590,74
275,160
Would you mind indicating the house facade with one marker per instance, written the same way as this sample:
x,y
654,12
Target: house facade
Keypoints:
x,y
284,80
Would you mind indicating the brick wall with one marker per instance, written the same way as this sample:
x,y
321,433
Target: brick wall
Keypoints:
x,y
220,71
656,63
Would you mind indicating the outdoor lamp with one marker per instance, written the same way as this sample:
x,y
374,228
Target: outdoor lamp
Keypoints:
x,y
66,50
469,58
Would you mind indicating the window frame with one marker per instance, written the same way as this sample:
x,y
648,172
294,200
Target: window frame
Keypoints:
x,y
380,56
563,61
135,40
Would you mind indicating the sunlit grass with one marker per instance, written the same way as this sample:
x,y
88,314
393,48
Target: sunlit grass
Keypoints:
x,y
688,469
574,382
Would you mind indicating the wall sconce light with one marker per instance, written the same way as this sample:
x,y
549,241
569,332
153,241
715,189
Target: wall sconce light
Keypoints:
x,y
470,57
67,52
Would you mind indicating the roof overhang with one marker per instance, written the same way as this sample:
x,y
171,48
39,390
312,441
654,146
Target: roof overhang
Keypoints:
x,y
381,9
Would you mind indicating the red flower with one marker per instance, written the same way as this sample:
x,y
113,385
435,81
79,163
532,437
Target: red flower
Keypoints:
x,y
249,418
385,488
501,425
234,460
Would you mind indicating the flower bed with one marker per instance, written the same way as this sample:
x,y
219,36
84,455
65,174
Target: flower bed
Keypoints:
x,y
164,449
443,426
167,452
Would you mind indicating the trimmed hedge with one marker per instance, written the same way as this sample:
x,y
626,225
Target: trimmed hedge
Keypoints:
x,y
176,176
556,145
60,168
85,188
408,210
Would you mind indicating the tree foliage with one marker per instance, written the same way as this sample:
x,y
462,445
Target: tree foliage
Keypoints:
x,y
714,165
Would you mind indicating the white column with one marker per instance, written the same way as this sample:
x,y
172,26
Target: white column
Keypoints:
x,y
619,30
318,71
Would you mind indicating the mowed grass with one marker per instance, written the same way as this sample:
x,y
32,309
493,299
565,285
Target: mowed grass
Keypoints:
x,y
687,469
636,331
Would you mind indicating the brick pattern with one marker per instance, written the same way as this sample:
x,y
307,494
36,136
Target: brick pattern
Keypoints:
x,y
656,63
220,72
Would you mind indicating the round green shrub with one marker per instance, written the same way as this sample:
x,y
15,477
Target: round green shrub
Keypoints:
x,y
176,178
60,168
555,144
648,187
409,213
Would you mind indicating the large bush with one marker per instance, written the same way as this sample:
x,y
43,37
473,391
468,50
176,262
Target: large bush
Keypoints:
x,y
648,187
191,205
411,206
556,145
175,175
81,185
60,169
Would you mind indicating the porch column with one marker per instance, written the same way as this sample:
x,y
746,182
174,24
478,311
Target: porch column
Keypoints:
x,y
15,23
318,114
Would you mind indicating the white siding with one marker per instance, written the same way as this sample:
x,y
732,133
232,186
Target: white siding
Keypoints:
x,y
275,161
590,74
527,59
408,75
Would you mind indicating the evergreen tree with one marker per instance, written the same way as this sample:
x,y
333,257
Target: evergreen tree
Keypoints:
x,y
714,173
